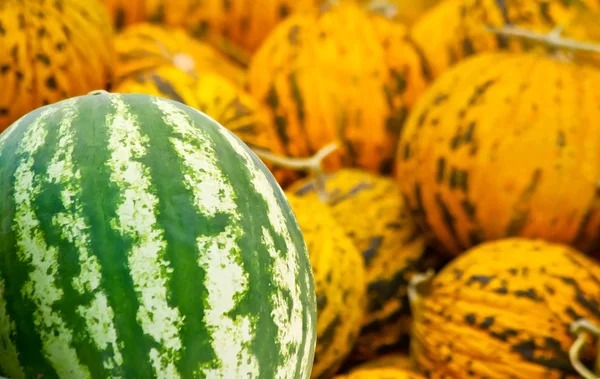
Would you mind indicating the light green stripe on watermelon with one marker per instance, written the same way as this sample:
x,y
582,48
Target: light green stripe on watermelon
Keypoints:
x,y
137,220
41,284
304,367
221,258
98,315
6,133
285,268
8,351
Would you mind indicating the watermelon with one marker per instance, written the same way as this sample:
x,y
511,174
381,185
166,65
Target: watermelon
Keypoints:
x,y
141,239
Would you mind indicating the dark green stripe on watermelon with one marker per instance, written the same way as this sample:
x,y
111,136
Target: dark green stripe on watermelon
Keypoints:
x,y
13,270
46,208
100,197
181,223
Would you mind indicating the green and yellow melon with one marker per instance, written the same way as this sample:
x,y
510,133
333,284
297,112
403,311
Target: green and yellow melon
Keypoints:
x,y
505,145
343,74
505,309
339,283
144,47
51,50
391,248
453,30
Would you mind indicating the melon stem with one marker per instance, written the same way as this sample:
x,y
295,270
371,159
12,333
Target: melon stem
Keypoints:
x,y
582,328
383,7
98,92
416,288
552,39
182,61
311,164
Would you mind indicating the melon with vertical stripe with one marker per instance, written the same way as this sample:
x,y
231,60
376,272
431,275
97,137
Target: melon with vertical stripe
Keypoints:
x,y
145,47
238,27
341,73
464,32
505,145
141,239
391,247
339,283
51,50
406,12
504,309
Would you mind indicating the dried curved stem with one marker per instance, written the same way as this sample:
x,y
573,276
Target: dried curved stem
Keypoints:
x,y
182,61
96,92
327,4
553,39
415,284
383,7
582,328
312,164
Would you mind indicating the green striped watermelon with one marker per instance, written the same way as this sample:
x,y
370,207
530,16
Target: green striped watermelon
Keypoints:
x,y
141,239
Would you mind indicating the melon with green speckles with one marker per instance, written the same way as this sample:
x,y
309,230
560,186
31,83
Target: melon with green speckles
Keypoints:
x,y
141,239
391,247
504,310
340,73
236,26
406,12
380,373
51,50
505,145
144,47
339,283
396,359
127,12
456,29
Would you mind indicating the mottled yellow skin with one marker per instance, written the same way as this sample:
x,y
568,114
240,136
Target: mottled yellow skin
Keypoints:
x,y
503,310
141,47
379,370
436,33
505,144
406,12
219,98
340,74
381,373
245,23
127,12
50,51
455,29
371,211
396,360
242,23
339,280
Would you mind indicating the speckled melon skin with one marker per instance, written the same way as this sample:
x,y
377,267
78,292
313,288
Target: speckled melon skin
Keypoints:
x,y
504,310
504,145
464,33
339,283
362,103
372,213
50,51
